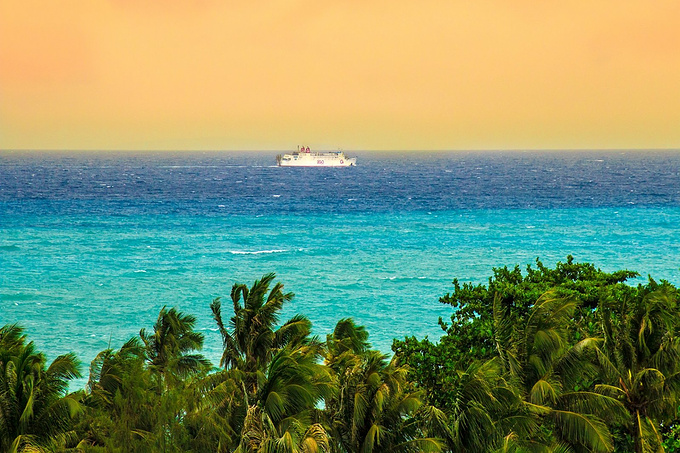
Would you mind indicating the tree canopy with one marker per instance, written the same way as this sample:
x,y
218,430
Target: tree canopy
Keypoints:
x,y
564,359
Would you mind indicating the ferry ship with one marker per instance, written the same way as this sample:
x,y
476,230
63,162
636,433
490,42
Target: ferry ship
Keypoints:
x,y
303,157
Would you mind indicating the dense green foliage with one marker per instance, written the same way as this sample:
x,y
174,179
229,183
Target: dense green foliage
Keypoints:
x,y
35,411
590,361
570,359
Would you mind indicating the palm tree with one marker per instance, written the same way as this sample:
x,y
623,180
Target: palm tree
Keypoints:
x,y
548,373
640,360
216,412
253,337
110,369
139,396
279,418
121,401
168,347
12,338
35,409
273,369
485,409
373,410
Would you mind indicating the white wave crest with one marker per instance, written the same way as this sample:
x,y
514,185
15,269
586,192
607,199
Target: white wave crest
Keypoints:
x,y
256,252
404,278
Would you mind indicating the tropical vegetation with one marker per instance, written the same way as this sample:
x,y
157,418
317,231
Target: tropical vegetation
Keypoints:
x,y
563,359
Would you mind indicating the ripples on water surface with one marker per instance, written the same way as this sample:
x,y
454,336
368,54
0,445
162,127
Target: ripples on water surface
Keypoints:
x,y
91,246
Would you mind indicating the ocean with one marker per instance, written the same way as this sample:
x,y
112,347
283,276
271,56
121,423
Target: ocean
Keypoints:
x,y
92,245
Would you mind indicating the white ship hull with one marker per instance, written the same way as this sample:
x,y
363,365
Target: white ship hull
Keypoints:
x,y
315,159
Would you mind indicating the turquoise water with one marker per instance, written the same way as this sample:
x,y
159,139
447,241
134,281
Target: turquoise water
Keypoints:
x,y
83,273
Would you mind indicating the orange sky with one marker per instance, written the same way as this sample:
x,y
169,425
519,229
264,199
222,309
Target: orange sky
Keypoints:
x,y
220,74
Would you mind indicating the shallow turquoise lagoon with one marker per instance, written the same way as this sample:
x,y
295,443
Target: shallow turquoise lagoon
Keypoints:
x,y
88,282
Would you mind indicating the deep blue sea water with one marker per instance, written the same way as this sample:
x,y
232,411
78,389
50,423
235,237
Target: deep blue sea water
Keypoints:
x,y
92,245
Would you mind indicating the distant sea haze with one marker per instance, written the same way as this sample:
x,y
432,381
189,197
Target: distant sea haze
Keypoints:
x,y
93,245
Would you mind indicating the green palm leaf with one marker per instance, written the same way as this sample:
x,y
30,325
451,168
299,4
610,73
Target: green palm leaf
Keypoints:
x,y
584,429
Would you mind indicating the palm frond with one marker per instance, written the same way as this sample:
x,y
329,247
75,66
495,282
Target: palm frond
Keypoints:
x,y
649,438
583,429
545,392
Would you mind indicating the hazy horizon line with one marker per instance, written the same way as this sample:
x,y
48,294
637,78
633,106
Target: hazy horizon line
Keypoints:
x,y
278,150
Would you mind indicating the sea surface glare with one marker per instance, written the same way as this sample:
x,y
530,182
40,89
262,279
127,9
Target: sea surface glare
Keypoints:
x,y
93,245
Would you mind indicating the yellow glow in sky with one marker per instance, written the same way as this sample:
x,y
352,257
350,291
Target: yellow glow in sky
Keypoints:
x,y
209,74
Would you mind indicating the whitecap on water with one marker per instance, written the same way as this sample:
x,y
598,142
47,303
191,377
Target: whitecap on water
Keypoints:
x,y
256,252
